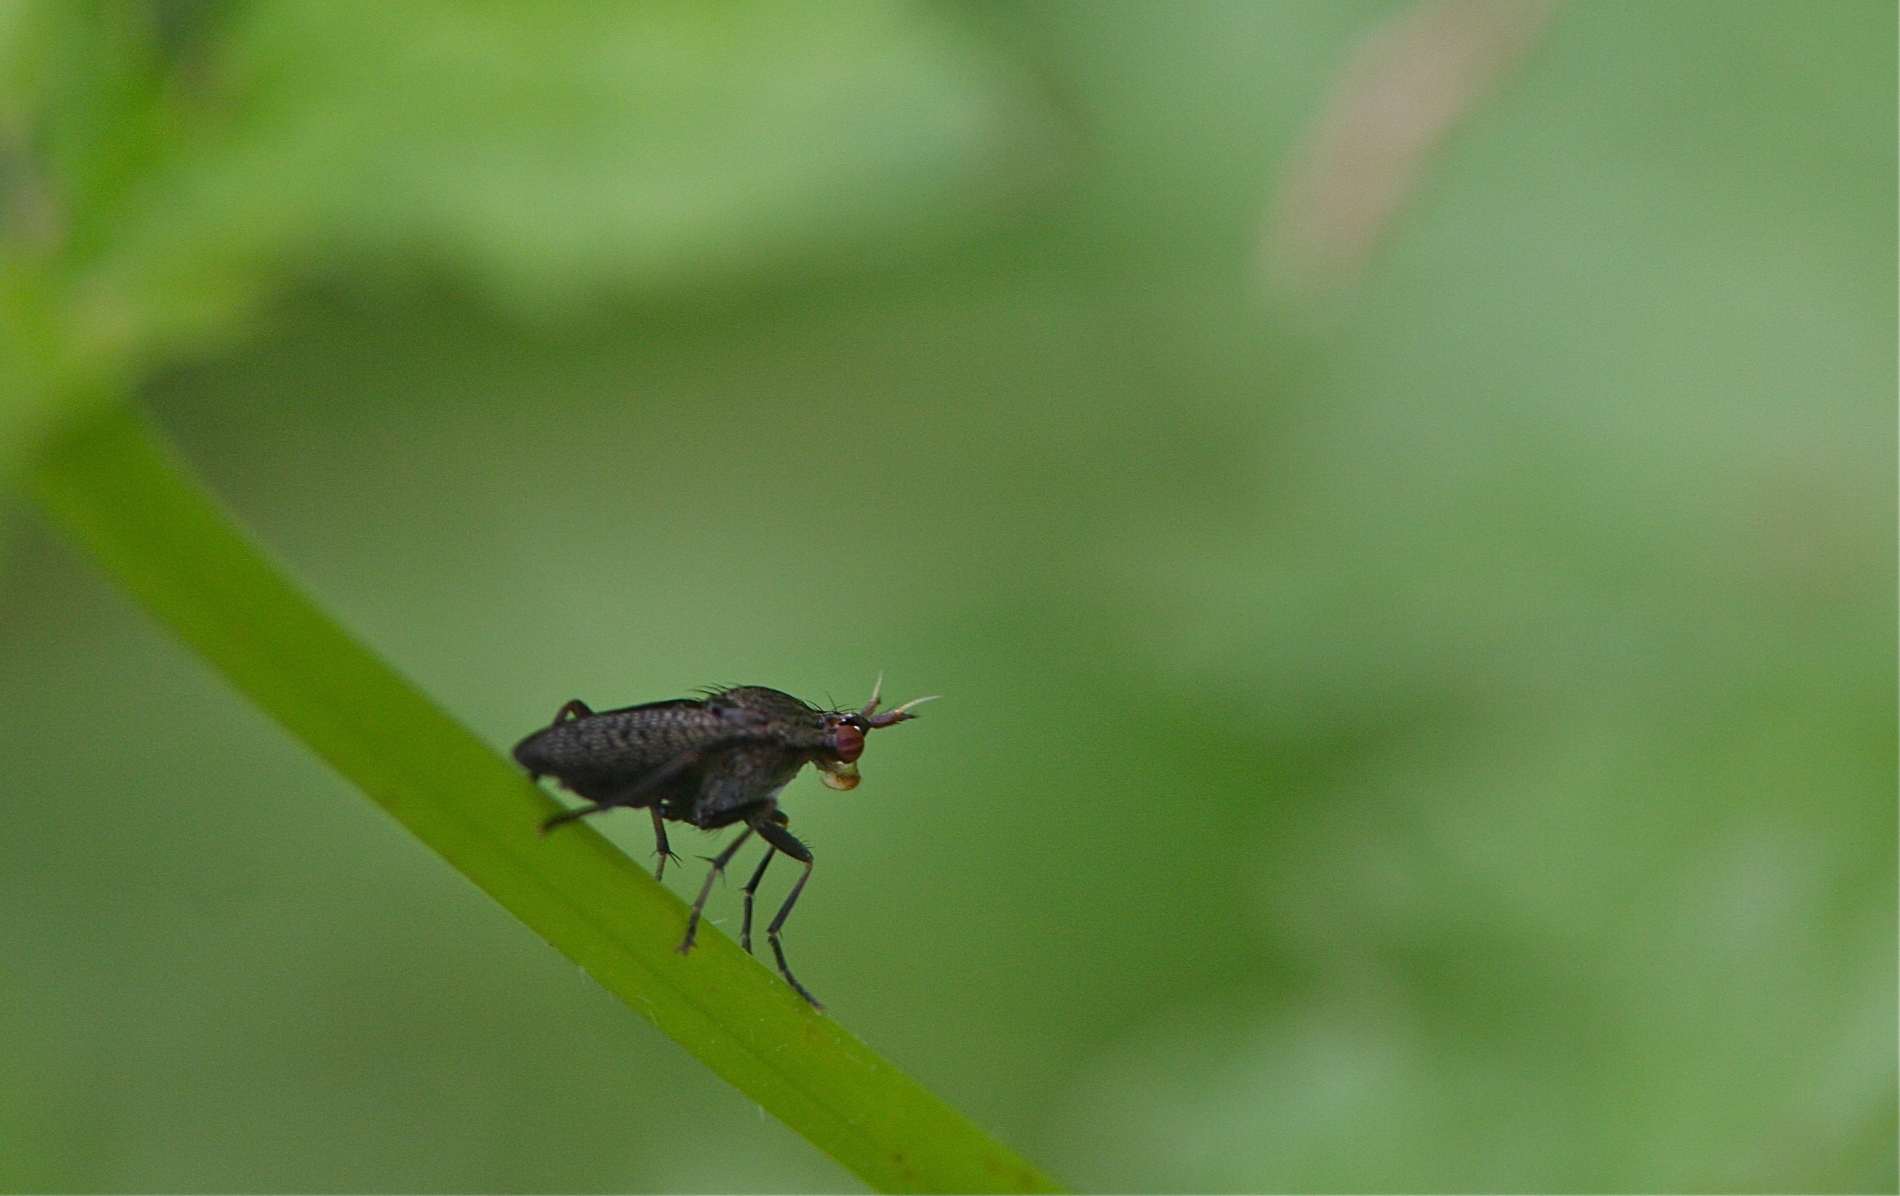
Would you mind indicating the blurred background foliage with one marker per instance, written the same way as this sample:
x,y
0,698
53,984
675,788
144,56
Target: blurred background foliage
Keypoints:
x,y
1434,735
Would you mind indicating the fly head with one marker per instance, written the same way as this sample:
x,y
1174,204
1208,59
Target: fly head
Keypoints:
x,y
837,761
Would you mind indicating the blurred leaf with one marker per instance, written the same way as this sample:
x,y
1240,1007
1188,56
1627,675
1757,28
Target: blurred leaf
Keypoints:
x,y
161,173
555,151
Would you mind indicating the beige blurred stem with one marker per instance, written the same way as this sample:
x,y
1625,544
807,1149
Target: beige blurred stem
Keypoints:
x,y
1399,96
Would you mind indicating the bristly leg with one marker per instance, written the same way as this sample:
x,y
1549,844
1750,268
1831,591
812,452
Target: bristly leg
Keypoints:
x,y
775,833
572,815
660,846
751,887
718,868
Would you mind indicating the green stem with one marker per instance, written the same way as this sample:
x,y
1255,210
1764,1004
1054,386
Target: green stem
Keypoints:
x,y
149,524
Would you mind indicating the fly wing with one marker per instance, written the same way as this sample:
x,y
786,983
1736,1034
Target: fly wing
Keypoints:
x,y
616,749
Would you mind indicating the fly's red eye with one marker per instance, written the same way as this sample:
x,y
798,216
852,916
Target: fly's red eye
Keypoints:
x,y
847,742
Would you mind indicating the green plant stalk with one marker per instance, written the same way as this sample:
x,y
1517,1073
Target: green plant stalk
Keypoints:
x,y
118,490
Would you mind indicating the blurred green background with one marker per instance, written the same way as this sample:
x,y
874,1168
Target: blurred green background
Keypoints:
x,y
1446,743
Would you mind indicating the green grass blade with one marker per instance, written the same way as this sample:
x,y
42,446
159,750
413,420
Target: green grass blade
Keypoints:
x,y
112,485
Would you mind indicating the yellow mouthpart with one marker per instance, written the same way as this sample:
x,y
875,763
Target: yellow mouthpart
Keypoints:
x,y
839,776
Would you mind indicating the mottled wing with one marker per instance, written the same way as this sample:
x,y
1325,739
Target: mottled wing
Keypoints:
x,y
606,754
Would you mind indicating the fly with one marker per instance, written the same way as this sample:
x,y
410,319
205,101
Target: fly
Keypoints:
x,y
711,762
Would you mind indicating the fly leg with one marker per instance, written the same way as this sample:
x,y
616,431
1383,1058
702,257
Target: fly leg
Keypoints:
x,y
751,887
705,890
660,847
772,828
575,814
